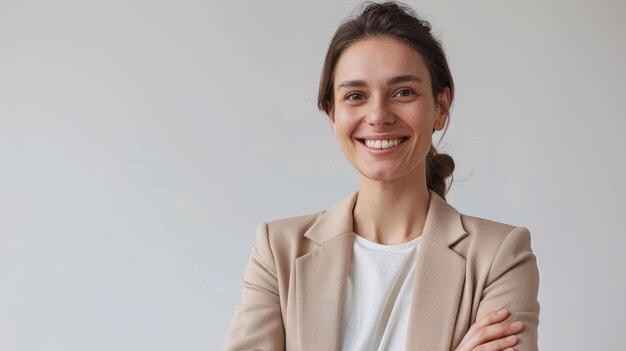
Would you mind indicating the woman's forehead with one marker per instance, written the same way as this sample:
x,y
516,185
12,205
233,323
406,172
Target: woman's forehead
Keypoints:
x,y
379,60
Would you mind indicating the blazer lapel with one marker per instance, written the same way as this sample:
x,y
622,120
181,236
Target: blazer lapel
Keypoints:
x,y
439,279
321,278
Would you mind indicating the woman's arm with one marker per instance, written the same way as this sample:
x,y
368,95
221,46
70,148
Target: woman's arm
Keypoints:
x,y
513,283
258,322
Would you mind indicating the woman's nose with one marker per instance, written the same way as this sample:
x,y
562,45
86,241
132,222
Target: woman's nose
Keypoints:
x,y
379,113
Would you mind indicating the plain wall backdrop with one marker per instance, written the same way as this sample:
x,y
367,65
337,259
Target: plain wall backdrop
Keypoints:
x,y
142,142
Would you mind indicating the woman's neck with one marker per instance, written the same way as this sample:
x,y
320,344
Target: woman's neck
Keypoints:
x,y
391,212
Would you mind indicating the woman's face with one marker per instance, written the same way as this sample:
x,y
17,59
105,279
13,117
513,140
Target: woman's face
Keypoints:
x,y
384,111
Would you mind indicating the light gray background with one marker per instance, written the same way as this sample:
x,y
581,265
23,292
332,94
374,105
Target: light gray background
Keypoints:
x,y
142,142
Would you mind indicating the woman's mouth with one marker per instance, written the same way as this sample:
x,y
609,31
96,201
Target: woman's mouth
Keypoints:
x,y
382,144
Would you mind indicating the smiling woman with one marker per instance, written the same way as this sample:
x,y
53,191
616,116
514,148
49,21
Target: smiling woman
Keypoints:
x,y
385,95
393,266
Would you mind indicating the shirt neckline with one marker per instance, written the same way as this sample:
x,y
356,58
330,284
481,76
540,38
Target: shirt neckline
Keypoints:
x,y
392,248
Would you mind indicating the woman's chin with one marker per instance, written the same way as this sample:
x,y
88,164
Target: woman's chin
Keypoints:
x,y
380,175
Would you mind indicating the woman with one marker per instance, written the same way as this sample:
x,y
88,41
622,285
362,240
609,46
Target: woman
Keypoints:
x,y
393,266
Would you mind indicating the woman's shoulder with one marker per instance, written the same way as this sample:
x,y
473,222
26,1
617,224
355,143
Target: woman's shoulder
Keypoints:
x,y
485,226
489,236
286,236
308,231
294,224
288,230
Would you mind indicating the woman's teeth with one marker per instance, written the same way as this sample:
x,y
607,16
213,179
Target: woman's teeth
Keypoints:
x,y
383,144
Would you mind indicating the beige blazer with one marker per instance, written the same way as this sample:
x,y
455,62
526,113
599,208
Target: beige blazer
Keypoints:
x,y
294,283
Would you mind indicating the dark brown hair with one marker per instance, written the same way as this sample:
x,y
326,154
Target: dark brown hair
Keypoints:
x,y
398,21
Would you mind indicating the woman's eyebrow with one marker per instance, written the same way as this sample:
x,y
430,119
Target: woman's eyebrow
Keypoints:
x,y
391,81
351,84
404,78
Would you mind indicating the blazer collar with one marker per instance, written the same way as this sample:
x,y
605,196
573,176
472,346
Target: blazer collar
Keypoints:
x,y
443,222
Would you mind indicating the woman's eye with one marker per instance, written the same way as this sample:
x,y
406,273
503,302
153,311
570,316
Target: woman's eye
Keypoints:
x,y
354,97
405,92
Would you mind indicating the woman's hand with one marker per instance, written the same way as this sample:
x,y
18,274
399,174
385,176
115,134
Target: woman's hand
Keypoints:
x,y
491,333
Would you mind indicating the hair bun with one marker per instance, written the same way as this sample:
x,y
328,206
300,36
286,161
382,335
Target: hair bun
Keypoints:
x,y
439,167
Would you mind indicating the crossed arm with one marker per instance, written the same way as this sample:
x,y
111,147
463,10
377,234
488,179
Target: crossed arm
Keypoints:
x,y
512,283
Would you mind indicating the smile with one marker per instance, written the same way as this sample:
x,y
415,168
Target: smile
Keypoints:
x,y
382,144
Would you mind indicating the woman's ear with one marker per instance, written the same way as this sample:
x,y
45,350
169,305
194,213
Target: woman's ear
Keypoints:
x,y
444,109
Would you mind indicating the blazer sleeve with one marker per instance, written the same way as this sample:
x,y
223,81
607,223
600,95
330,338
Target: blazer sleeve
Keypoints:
x,y
513,282
257,323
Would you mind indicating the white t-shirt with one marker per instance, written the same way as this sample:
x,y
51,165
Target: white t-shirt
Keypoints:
x,y
378,296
